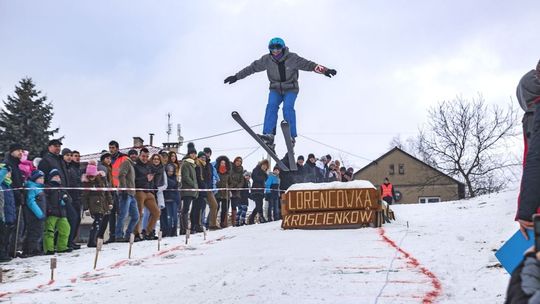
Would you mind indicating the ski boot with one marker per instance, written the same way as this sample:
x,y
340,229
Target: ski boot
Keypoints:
x,y
268,140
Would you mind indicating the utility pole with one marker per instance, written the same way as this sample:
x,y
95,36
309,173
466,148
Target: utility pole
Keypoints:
x,y
169,127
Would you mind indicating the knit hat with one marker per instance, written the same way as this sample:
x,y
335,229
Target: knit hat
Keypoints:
x,y
65,151
53,173
15,146
91,169
36,174
328,157
247,173
301,157
201,154
170,167
191,150
133,152
104,155
276,167
207,150
311,155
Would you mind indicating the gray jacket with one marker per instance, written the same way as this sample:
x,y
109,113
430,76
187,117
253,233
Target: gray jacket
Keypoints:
x,y
528,90
282,73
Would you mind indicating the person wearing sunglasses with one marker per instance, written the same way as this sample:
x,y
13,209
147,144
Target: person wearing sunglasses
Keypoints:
x,y
282,68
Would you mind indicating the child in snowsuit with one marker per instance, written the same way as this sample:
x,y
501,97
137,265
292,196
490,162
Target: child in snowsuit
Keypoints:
x,y
34,214
244,200
8,213
99,203
271,191
57,200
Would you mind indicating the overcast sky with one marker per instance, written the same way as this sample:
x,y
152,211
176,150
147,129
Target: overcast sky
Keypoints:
x,y
114,69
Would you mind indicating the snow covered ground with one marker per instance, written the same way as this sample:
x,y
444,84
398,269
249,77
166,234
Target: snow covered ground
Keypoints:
x,y
445,255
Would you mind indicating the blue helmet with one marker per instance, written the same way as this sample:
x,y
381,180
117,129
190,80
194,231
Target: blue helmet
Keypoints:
x,y
275,42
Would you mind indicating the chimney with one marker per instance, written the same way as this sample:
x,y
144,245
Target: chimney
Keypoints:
x,y
138,142
171,147
151,139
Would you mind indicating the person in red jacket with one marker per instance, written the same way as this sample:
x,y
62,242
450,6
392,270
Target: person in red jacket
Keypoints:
x,y
387,192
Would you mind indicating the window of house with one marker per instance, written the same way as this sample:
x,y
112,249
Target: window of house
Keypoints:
x,y
429,199
401,169
391,169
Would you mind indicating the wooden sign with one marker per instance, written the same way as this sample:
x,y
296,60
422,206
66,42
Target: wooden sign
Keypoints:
x,y
335,219
330,205
331,199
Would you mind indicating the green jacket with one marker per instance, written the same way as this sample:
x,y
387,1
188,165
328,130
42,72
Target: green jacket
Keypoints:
x,y
189,178
236,180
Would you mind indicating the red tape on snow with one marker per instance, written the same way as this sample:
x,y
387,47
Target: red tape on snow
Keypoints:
x,y
431,296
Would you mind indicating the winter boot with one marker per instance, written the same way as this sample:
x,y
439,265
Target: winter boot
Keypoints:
x,y
268,139
233,217
251,219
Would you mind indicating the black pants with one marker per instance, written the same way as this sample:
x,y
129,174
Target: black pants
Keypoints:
x,y
33,239
112,216
223,205
98,228
196,211
6,233
74,219
258,210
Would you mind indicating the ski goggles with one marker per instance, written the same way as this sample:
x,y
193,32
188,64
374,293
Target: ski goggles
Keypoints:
x,y
273,47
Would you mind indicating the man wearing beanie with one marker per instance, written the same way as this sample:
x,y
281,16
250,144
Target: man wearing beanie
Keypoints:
x,y
189,182
213,178
13,159
310,169
34,214
73,209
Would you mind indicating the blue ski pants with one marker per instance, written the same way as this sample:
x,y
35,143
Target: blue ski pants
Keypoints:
x,y
270,117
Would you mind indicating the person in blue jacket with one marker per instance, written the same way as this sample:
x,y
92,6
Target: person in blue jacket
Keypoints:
x,y
34,214
9,218
282,68
271,192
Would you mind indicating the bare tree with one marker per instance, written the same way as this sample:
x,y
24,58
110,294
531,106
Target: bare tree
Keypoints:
x,y
466,139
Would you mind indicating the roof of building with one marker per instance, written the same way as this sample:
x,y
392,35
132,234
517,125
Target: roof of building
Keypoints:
x,y
410,156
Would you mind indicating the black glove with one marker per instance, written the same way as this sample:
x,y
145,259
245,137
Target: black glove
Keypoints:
x,y
330,73
230,79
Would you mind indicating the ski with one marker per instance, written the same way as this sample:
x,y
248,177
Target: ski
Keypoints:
x,y
286,128
236,116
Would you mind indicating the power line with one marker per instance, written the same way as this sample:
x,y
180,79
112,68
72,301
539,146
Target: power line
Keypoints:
x,y
332,147
220,134
250,153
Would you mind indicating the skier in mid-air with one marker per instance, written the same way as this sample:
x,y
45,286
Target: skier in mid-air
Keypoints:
x,y
282,70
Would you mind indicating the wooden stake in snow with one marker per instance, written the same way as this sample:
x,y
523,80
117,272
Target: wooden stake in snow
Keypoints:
x,y
1,272
53,267
188,232
98,249
159,237
131,240
204,232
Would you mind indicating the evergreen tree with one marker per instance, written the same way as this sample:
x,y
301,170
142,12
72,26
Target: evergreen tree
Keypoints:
x,y
26,118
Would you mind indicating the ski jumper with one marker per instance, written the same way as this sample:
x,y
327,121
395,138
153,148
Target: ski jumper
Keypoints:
x,y
282,72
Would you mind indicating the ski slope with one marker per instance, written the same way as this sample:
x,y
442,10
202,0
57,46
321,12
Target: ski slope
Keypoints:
x,y
440,253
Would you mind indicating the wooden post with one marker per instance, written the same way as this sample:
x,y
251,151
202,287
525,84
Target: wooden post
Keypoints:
x,y
204,232
53,267
188,232
1,273
131,240
160,236
98,249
